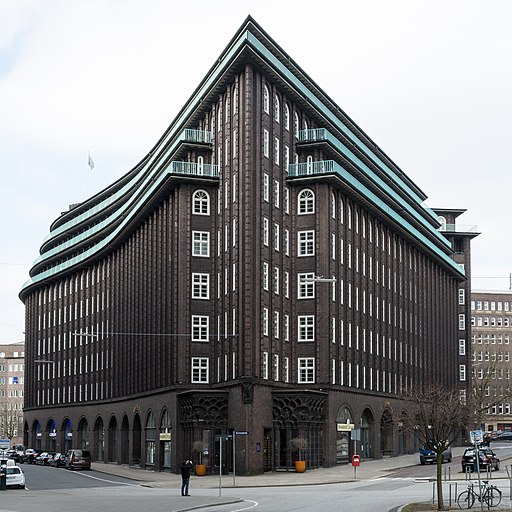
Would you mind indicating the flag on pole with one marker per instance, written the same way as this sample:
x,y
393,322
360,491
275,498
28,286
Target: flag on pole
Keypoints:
x,y
90,162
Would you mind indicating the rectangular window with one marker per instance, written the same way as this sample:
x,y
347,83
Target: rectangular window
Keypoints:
x,y
287,242
200,370
277,323
462,347
200,286
265,275
265,231
266,142
200,328
276,367
306,370
462,372
265,321
462,296
276,193
287,369
306,327
266,187
264,363
201,243
276,150
276,280
277,237
306,286
306,243
462,322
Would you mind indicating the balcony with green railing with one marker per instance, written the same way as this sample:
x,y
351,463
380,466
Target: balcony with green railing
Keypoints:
x,y
198,169
196,136
310,168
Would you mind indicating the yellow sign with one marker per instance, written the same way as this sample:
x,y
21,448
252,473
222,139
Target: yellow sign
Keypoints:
x,y
345,427
165,436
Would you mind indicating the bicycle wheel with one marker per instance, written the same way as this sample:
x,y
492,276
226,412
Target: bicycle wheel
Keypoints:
x,y
466,499
492,496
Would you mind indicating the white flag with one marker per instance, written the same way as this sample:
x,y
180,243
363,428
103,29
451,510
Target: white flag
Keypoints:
x,y
90,162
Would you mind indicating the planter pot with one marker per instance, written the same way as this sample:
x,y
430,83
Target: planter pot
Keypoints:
x,y
300,466
200,469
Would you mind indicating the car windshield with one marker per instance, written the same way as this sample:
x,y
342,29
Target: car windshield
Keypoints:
x,y
13,471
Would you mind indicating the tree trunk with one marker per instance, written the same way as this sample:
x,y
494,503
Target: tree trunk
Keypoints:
x,y
440,501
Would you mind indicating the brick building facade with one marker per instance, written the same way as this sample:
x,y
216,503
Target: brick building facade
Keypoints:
x,y
266,268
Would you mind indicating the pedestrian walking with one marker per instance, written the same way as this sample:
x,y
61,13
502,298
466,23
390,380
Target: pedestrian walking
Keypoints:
x,y
185,476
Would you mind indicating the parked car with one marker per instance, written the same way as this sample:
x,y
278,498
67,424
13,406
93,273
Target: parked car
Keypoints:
x,y
15,477
58,460
44,458
430,457
487,457
29,456
504,436
13,455
78,459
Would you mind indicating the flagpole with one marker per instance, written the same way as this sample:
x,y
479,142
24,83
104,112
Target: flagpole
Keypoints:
x,y
90,163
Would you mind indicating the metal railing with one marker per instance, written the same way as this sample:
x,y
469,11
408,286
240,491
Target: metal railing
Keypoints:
x,y
306,168
202,136
194,169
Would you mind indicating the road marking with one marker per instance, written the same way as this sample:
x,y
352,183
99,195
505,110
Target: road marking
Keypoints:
x,y
254,504
108,481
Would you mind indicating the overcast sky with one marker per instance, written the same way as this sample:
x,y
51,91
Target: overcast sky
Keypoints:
x,y
429,81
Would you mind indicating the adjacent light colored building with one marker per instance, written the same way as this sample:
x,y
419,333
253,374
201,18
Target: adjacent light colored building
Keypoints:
x,y
12,368
491,321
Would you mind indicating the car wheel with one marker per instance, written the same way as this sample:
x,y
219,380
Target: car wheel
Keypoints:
x,y
422,462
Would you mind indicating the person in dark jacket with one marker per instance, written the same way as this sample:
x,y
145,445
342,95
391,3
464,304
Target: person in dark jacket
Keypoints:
x,y
185,476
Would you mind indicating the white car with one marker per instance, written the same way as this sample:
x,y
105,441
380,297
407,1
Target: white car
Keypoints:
x,y
15,477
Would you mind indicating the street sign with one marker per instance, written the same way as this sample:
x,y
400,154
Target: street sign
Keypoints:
x,y
241,433
476,436
5,444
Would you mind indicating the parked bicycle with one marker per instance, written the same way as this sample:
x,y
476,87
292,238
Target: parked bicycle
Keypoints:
x,y
490,495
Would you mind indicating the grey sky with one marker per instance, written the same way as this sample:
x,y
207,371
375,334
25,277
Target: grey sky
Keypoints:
x,y
429,81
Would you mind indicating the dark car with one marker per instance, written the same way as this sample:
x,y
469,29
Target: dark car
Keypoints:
x,y
29,457
44,458
430,457
13,455
504,436
58,461
78,459
487,457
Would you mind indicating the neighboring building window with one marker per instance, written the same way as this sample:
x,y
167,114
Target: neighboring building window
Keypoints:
x,y
200,370
200,243
306,202
201,201
306,370
306,243
200,286
306,289
200,327
266,100
306,327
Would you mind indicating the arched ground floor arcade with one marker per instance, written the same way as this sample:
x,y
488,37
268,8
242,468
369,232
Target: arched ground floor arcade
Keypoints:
x,y
256,424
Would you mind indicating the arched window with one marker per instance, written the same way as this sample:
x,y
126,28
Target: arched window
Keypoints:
x,y
349,216
200,162
442,221
342,211
277,108
201,203
150,439
306,127
287,117
219,118
266,100
296,124
306,202
310,164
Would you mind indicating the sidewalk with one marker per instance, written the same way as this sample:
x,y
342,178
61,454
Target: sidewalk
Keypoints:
x,y
343,473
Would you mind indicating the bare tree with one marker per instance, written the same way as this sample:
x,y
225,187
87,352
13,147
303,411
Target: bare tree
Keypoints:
x,y
10,421
436,416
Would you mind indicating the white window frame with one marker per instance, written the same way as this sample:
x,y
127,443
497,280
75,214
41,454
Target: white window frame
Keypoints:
x,y
306,243
305,289
200,328
306,328
306,370
201,244
200,285
201,203
200,370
